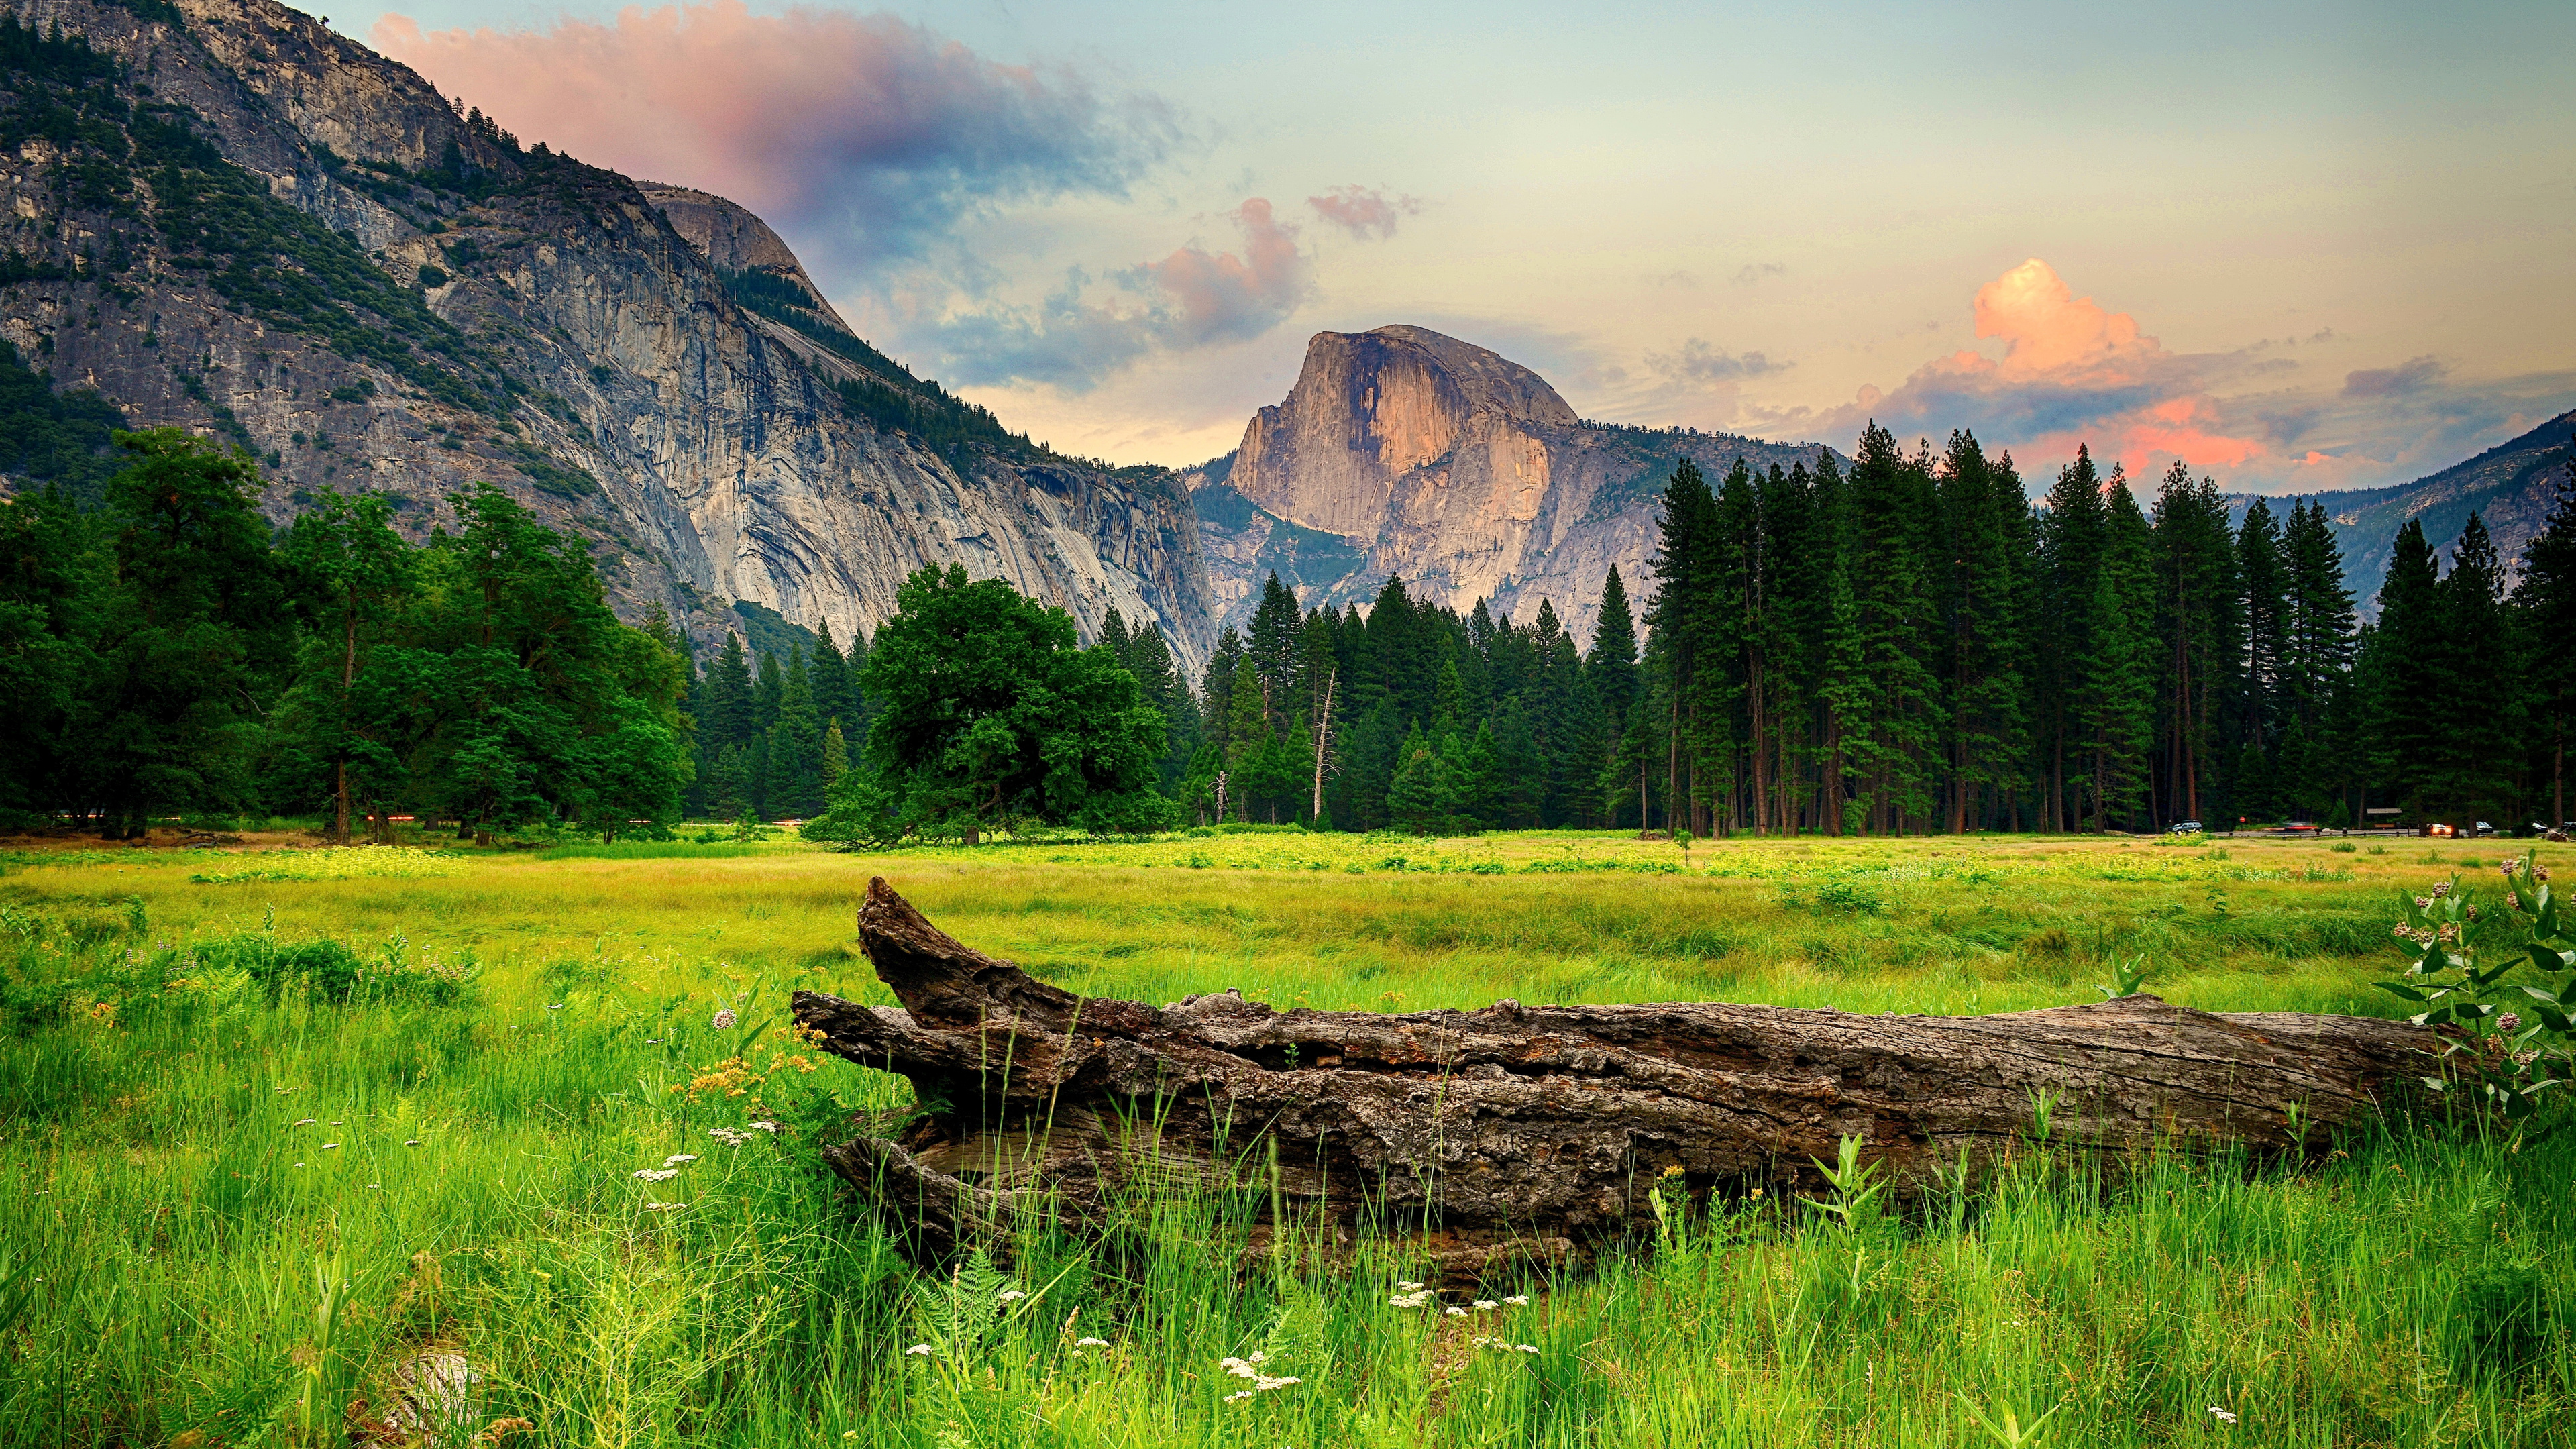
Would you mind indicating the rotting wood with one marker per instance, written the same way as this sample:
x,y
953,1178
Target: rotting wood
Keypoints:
x,y
1517,1131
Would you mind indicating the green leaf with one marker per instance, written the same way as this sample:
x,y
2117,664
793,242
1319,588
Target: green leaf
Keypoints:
x,y
2409,992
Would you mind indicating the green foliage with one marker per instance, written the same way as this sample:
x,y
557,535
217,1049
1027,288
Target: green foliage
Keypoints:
x,y
2520,1040
46,437
991,716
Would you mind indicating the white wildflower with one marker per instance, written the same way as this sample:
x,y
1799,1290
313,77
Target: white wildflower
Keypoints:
x,y
303,1122
330,1146
1518,1300
1091,1343
1418,1298
1265,1384
1238,1368
1239,1398
1408,1287
1009,1295
1524,1348
724,1019
2221,1415
764,1127
1486,1305
414,1142
656,1174
677,1159
663,1207
1454,1312
918,1350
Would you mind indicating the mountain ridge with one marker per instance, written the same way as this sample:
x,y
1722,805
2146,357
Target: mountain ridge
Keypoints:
x,y
1403,451
239,222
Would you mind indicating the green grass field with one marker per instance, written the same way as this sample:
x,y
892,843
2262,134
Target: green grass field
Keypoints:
x,y
249,1182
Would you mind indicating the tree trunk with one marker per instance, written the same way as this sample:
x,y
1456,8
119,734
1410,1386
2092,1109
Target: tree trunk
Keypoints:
x,y
1525,1131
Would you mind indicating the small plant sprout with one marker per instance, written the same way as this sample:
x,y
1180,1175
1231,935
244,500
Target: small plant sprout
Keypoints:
x,y
2127,978
2006,1427
1855,1185
2043,1112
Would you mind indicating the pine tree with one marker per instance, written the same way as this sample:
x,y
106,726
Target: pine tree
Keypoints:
x,y
2198,620
730,706
2546,601
1272,647
2410,717
2485,720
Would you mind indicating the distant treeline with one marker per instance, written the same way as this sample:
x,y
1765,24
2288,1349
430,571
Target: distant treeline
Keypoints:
x,y
1911,646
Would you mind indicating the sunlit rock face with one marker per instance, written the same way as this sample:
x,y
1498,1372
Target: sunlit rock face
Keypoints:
x,y
1404,452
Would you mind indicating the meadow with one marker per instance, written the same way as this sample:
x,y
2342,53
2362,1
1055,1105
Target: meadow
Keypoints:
x,y
301,1147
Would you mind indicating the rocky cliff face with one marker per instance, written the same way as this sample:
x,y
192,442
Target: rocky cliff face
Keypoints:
x,y
270,232
2510,486
1401,451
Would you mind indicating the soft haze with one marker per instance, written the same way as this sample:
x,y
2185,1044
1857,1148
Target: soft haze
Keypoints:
x,y
2300,247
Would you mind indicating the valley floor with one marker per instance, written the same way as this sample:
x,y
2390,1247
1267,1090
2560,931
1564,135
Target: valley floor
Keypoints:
x,y
399,1141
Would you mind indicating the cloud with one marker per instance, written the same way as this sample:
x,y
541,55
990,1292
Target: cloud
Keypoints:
x,y
1699,362
1193,297
1364,212
1754,272
2411,376
2072,371
876,135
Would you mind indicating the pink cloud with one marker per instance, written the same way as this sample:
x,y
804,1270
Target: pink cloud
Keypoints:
x,y
1193,297
1221,295
2072,371
881,125
1362,211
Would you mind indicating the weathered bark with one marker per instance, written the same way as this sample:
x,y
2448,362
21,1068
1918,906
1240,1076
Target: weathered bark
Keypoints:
x,y
1526,1130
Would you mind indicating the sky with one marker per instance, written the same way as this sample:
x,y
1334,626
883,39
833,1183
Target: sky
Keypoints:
x,y
2298,247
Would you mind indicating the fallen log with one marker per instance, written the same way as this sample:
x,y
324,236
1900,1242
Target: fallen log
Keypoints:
x,y
1527,1130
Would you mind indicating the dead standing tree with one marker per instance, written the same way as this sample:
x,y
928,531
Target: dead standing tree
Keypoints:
x,y
1526,1130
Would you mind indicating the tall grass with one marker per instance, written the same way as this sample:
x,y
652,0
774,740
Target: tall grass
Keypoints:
x,y
165,1208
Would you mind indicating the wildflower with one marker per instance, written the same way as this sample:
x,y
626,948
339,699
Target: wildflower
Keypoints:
x,y
330,1146
2221,1415
724,1019
2507,868
849,1433
1486,1305
2540,872
2509,1023
1265,1384
729,1136
303,1122
412,1142
1454,1312
1418,1298
657,1041
1240,1368
918,1350
2442,888
656,1174
555,1006
663,1207
1091,1343
1009,1295
1518,1300
1239,1398
771,1127
2423,903
2513,899
678,1158
1408,1287
1524,1348
2473,913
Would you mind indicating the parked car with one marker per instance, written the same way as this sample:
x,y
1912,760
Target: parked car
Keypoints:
x,y
2187,827
2485,829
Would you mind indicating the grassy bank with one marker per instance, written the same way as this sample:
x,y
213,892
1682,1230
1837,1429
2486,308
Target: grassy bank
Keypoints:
x,y
489,1049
